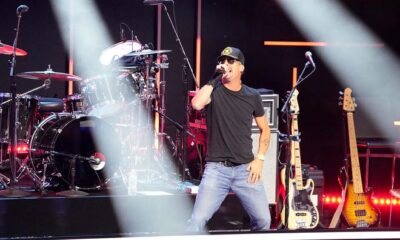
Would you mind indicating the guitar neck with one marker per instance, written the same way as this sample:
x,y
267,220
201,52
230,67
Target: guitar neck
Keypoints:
x,y
296,156
355,163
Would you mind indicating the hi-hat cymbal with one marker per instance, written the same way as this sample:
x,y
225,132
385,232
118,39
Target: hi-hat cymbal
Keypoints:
x,y
8,50
49,74
147,52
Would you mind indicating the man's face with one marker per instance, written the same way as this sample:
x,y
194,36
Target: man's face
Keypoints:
x,y
233,68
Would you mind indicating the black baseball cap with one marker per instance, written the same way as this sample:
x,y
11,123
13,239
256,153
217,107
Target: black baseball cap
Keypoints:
x,y
232,52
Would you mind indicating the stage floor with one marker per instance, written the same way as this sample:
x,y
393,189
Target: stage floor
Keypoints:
x,y
393,234
149,215
155,212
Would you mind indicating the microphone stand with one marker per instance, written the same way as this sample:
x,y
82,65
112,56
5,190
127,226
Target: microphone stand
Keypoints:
x,y
185,65
286,110
185,58
11,191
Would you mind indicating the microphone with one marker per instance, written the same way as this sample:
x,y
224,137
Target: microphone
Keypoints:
x,y
22,9
220,70
122,34
309,58
155,2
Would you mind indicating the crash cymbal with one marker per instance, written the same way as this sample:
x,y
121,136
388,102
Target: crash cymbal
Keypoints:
x,y
118,50
8,50
147,52
49,74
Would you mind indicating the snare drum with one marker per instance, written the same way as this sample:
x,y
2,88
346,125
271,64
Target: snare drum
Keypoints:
x,y
26,108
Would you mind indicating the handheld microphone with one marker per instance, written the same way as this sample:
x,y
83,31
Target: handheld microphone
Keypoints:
x,y
22,9
220,70
155,2
309,58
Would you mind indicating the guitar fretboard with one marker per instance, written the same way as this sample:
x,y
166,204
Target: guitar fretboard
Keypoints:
x,y
355,163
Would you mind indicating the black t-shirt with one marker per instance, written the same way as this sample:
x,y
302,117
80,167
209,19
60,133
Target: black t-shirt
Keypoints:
x,y
229,119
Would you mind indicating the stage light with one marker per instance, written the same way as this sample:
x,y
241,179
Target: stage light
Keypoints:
x,y
21,149
357,56
130,153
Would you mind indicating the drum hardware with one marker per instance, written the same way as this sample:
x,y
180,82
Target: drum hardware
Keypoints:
x,y
73,192
24,170
96,161
180,144
11,191
145,52
25,105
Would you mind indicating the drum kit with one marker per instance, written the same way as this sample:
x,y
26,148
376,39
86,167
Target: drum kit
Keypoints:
x,y
57,139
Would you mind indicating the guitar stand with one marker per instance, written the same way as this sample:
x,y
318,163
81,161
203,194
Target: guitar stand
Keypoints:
x,y
287,138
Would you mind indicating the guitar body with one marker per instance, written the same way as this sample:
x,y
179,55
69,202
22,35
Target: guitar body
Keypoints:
x,y
358,209
302,213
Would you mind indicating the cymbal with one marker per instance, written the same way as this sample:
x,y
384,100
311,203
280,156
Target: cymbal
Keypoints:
x,y
49,74
118,50
8,50
147,52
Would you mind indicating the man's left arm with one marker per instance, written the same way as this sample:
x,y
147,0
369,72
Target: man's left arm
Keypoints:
x,y
256,166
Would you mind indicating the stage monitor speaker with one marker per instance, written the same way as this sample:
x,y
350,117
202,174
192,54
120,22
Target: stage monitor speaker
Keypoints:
x,y
270,165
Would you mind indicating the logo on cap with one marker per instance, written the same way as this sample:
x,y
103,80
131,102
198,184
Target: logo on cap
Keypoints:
x,y
227,51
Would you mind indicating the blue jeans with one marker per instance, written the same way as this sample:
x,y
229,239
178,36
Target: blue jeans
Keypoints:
x,y
215,185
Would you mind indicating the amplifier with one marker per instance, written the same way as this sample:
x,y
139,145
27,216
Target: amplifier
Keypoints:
x,y
271,104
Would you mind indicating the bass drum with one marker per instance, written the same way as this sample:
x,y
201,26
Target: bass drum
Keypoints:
x,y
63,137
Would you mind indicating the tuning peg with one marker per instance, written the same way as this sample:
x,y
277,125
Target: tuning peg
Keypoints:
x,y
341,93
340,103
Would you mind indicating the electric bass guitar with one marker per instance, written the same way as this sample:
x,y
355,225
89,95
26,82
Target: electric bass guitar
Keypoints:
x,y
302,213
357,210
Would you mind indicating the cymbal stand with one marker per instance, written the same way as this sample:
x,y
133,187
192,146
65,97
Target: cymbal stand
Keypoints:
x,y
24,169
11,191
149,96
181,131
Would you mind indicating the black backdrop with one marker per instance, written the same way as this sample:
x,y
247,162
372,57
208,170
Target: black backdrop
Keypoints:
x,y
244,24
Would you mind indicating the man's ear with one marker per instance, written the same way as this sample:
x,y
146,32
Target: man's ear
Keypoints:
x,y
242,68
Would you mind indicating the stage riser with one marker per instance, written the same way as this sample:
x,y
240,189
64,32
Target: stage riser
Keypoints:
x,y
98,216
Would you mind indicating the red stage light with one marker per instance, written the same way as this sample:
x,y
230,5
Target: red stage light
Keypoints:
x,y
21,149
381,200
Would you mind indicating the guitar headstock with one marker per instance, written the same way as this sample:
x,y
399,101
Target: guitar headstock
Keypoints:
x,y
349,104
294,105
